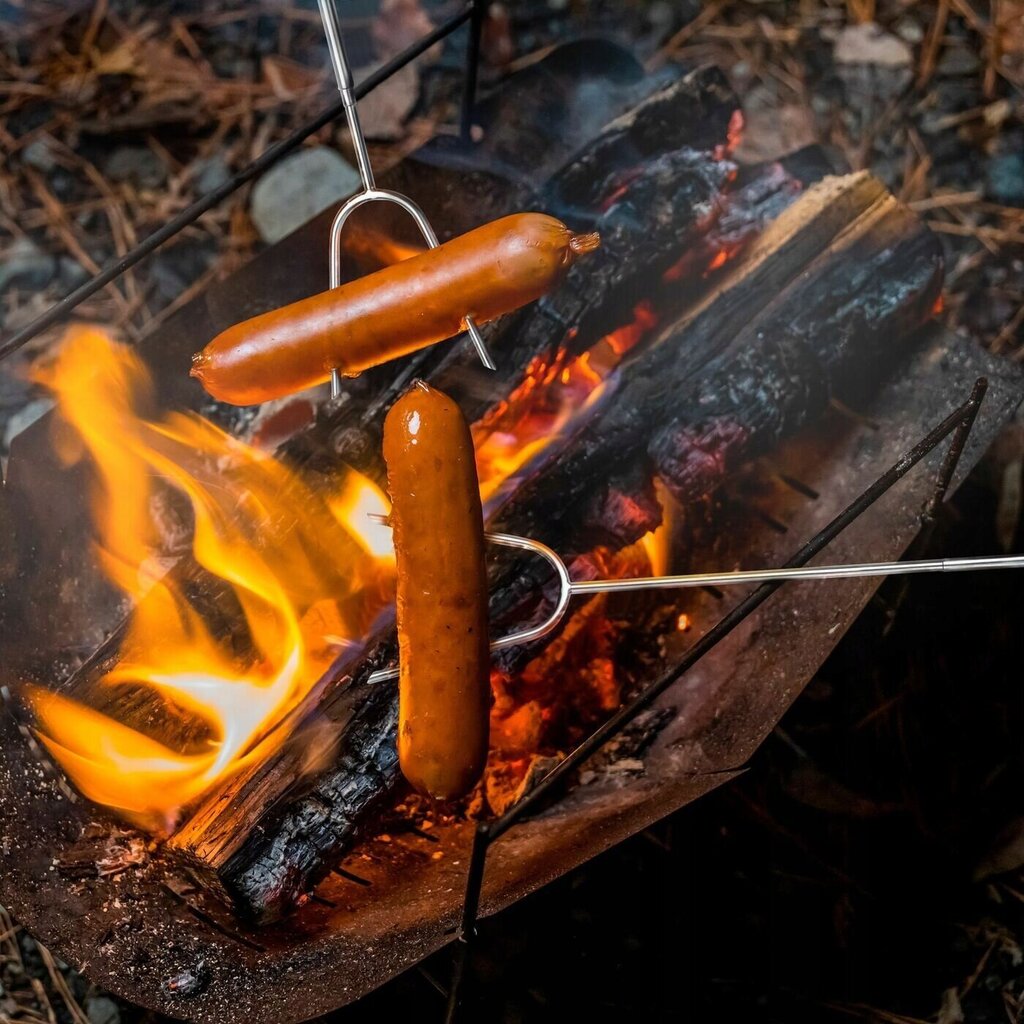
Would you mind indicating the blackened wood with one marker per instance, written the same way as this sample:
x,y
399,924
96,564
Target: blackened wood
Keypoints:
x,y
214,839
837,286
664,208
835,327
868,273
680,125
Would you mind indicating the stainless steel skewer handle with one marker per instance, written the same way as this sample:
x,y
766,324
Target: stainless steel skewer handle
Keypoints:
x,y
568,588
370,193
857,570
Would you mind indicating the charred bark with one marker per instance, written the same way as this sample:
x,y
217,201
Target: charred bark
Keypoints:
x,y
665,143
833,290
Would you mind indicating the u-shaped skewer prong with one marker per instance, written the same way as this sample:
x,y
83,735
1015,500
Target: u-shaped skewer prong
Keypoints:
x,y
370,193
569,588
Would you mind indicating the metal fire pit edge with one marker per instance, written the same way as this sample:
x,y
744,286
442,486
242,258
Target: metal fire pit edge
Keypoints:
x,y
149,935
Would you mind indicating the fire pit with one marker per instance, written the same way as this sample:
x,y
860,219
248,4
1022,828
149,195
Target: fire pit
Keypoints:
x,y
654,363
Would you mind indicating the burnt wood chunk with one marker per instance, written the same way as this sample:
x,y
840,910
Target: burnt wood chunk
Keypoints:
x,y
828,298
655,164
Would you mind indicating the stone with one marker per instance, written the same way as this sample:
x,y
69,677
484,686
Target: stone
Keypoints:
x,y
26,265
102,1010
177,266
209,173
871,44
298,188
39,155
24,418
71,273
773,129
958,60
137,165
1004,178
384,111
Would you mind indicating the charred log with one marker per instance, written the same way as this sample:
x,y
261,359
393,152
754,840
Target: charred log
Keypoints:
x,y
834,289
678,192
676,129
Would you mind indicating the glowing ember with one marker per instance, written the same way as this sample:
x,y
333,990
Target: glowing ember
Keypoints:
x,y
550,394
283,550
683,623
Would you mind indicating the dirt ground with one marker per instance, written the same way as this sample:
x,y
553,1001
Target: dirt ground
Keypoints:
x,y
870,865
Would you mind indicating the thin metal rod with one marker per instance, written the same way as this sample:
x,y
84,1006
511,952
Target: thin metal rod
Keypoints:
x,y
568,588
369,192
856,570
956,449
728,623
476,25
943,480
467,924
343,76
60,310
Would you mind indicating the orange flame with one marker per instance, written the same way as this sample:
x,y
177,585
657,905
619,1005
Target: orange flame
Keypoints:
x,y
282,549
657,543
550,394
309,571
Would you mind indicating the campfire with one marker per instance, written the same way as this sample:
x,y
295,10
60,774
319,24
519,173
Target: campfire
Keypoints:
x,y
204,618
307,571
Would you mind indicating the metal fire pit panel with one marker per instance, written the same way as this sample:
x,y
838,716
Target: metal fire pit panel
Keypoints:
x,y
149,936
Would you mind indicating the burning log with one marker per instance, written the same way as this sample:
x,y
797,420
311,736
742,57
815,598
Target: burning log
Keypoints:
x,y
660,160
695,108
669,222
868,275
830,295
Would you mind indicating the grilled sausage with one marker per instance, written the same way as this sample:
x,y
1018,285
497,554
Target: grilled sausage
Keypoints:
x,y
444,678
484,273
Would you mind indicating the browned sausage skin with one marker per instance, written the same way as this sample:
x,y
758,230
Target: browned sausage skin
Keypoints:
x,y
484,273
444,675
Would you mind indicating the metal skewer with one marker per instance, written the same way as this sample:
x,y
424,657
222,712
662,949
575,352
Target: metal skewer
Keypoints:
x,y
569,588
369,192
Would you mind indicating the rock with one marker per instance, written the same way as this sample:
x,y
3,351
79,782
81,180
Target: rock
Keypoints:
x,y
871,44
398,25
137,165
71,273
958,60
773,129
39,155
209,173
874,66
15,387
24,418
175,268
298,188
102,1010
1004,178
27,266
910,31
384,111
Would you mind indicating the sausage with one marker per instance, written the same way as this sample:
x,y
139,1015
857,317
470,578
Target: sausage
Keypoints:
x,y
484,273
437,522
